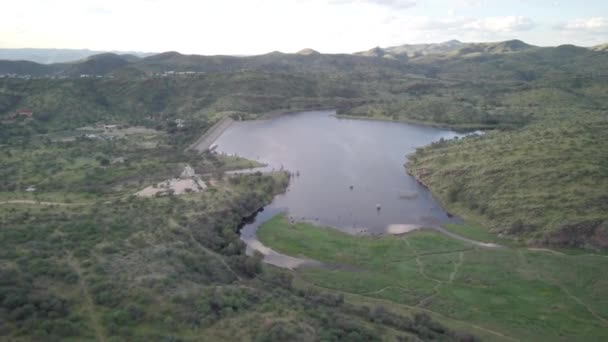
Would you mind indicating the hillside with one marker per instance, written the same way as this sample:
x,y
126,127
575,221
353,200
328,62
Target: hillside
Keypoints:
x,y
52,56
71,103
117,65
417,59
83,256
509,86
602,47
545,184
308,52
417,50
474,49
101,64
449,49
28,68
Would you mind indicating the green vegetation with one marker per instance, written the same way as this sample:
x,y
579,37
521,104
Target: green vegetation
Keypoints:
x,y
512,293
86,168
546,183
82,258
168,268
502,85
155,102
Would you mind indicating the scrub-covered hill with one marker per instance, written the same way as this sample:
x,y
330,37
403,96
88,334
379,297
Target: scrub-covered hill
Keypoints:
x,y
546,183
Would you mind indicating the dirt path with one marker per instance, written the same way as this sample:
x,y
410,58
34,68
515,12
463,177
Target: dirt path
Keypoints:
x,y
456,267
43,203
581,303
553,282
554,252
414,308
438,282
465,239
597,316
535,249
421,271
383,289
88,300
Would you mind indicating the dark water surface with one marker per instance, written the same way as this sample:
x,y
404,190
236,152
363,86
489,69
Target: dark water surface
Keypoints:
x,y
331,155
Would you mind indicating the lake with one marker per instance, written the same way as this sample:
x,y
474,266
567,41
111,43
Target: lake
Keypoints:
x,y
344,170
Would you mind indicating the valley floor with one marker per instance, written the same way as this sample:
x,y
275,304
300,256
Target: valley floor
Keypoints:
x,y
511,293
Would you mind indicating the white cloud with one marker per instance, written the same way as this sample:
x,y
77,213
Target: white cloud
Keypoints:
x,y
596,24
490,24
395,4
98,11
259,26
469,3
502,24
433,24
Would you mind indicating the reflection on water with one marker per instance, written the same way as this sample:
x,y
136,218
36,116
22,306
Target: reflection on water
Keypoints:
x,y
348,174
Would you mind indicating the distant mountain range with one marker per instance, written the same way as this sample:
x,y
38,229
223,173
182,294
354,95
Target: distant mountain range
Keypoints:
x,y
50,56
401,58
452,48
132,65
602,47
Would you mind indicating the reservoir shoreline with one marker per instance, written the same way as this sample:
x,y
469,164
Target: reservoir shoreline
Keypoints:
x,y
346,174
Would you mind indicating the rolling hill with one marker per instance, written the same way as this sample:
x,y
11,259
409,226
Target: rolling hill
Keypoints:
x,y
84,259
449,49
421,59
52,56
507,86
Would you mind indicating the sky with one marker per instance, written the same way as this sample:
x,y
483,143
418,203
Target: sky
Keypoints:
x,y
246,27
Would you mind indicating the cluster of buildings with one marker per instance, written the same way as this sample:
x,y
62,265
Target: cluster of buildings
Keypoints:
x,y
93,136
180,123
23,77
176,73
95,76
52,77
62,77
189,181
26,113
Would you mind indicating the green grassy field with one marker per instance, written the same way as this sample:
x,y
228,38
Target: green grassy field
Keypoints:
x,y
523,294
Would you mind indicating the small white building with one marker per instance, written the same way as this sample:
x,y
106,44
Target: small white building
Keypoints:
x,y
188,173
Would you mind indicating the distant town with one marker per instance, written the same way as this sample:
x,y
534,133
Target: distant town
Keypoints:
x,y
62,77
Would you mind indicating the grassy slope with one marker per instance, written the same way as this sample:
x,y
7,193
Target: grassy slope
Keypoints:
x,y
524,294
546,182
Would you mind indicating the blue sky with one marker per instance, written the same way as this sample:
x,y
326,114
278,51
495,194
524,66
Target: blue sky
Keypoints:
x,y
260,26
